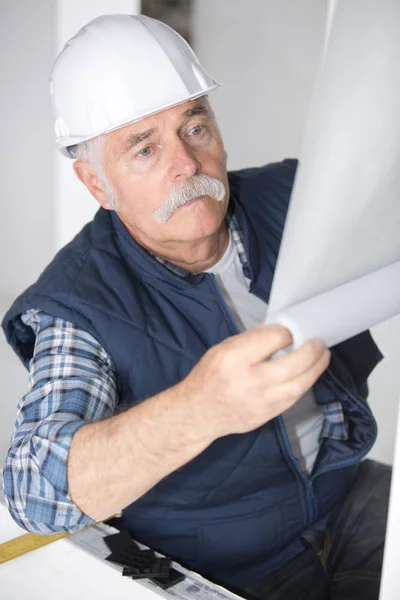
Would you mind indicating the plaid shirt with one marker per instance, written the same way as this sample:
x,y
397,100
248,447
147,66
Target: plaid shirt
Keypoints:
x,y
71,383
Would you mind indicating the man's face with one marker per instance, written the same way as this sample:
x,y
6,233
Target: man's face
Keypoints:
x,y
146,160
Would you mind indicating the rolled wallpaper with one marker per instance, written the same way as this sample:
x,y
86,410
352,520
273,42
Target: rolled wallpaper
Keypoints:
x,y
338,270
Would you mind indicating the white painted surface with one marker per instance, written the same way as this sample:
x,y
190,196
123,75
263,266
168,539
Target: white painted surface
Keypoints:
x,y
266,55
43,204
76,565
26,168
63,571
384,385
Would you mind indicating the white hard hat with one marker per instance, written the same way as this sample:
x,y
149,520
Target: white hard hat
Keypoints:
x,y
119,69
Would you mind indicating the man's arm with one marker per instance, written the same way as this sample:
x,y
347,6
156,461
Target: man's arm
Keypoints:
x,y
71,382
231,390
114,461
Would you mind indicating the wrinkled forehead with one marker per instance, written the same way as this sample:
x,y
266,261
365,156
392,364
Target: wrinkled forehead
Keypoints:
x,y
124,138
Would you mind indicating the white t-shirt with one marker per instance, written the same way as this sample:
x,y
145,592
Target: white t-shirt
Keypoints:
x,y
304,420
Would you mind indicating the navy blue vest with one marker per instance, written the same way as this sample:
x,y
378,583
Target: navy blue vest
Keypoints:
x,y
236,511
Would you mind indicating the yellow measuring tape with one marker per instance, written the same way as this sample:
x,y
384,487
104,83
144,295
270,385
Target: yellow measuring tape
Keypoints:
x,y
26,543
32,541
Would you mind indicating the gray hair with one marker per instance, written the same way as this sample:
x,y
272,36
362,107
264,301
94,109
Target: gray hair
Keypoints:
x,y
92,152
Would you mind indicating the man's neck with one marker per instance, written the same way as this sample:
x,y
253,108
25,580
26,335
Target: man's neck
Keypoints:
x,y
202,254
194,257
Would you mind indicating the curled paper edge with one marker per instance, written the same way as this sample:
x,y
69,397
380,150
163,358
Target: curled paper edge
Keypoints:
x,y
344,311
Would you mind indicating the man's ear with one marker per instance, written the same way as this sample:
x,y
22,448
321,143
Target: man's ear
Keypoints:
x,y
88,176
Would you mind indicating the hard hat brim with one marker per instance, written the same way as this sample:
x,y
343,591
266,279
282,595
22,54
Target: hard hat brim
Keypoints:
x,y
65,143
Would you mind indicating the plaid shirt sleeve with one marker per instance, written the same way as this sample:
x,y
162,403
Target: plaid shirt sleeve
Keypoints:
x,y
71,383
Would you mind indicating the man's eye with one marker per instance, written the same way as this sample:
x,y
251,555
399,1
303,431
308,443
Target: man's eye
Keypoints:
x,y
196,130
145,151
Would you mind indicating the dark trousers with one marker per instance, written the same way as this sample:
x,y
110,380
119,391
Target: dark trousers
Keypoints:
x,y
345,561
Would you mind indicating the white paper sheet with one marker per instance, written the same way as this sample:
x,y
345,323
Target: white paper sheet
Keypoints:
x,y
344,216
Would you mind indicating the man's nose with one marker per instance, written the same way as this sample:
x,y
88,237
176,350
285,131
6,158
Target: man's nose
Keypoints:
x,y
183,160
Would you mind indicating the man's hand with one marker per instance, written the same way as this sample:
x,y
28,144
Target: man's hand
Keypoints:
x,y
234,389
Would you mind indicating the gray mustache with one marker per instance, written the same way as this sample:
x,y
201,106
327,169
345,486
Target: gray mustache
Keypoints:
x,y
198,185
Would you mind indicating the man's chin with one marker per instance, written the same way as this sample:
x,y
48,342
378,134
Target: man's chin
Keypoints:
x,y
197,219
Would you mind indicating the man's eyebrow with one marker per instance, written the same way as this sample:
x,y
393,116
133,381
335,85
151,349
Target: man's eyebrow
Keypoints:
x,y
136,138
199,109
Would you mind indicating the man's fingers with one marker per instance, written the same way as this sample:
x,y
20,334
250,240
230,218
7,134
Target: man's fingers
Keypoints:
x,y
294,364
289,392
259,343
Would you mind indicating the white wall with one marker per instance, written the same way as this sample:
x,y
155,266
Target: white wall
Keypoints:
x,y
27,176
43,205
266,54
384,385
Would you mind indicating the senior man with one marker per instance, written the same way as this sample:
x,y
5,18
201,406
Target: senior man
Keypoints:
x,y
149,388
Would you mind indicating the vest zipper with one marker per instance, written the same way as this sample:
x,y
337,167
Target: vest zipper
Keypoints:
x,y
294,464
305,480
308,481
